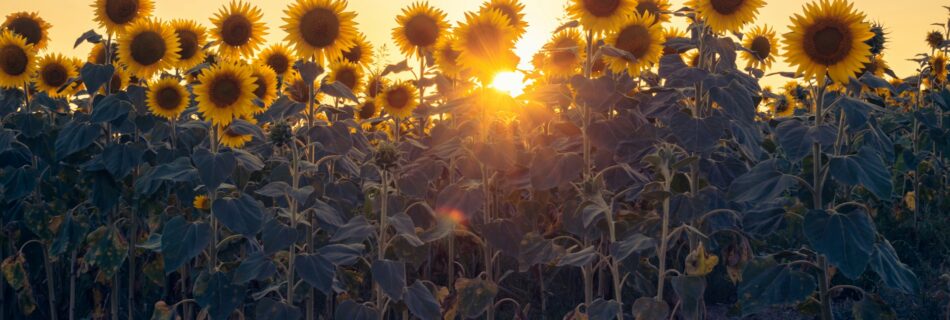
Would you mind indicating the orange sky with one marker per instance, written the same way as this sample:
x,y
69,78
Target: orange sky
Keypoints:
x,y
906,20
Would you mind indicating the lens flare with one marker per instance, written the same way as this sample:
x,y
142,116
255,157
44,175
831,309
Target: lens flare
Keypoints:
x,y
510,82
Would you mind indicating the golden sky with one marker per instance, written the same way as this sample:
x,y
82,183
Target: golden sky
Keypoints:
x,y
907,21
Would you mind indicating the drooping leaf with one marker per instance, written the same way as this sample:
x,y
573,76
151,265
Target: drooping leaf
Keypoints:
x,y
690,290
219,295
94,76
350,310
341,254
254,266
316,271
601,309
243,215
214,168
505,235
391,277
182,241
698,135
765,284
762,184
646,308
422,303
847,239
277,236
865,168
635,243
475,296
354,231
550,169
111,108
268,308
76,136
580,258
107,250
120,159
887,265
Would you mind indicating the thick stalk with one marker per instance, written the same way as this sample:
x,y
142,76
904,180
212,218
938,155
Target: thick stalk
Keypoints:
x,y
212,196
72,285
422,91
295,161
823,284
50,286
664,235
819,204
132,237
614,267
311,156
383,235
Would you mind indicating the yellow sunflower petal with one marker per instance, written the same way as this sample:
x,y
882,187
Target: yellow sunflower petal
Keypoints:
x,y
225,92
17,60
320,28
147,47
601,16
399,100
167,98
53,72
640,36
763,47
420,27
726,15
191,38
828,39
238,29
116,15
30,26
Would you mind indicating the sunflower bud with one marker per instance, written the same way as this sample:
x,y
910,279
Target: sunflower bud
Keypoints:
x,y
879,41
387,156
935,40
281,134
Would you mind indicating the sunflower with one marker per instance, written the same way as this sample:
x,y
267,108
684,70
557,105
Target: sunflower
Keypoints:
x,y
54,72
30,26
17,60
484,42
320,28
935,39
231,139
167,98
670,33
691,58
191,38
513,10
658,8
640,36
147,47
266,80
420,27
828,38
375,84
877,66
761,43
368,110
225,92
783,106
347,73
238,29
278,57
879,41
566,53
97,55
201,202
361,53
601,16
726,15
399,100
297,89
120,80
938,67
447,59
116,15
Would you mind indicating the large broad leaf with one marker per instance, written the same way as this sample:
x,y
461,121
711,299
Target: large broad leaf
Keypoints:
x,y
475,296
847,239
635,243
550,169
601,309
505,235
354,231
107,250
391,277
698,135
316,271
94,76
342,254
268,308
888,266
76,136
214,168
580,258
350,310
865,168
182,241
405,228
650,309
763,183
277,236
735,101
766,283
690,290
112,108
463,197
120,159
219,295
422,303
70,235
243,215
255,266
334,138
179,170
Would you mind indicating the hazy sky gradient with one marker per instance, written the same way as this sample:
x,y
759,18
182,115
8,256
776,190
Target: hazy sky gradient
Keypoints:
x,y
907,21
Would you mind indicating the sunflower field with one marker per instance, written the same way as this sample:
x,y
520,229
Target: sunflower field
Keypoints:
x,y
189,170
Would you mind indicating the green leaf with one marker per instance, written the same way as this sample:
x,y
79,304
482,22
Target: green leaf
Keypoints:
x,y
762,184
182,241
107,250
219,295
316,271
475,296
76,136
601,309
255,266
214,169
15,274
120,159
865,168
635,243
350,310
243,215
422,303
391,277
690,290
94,76
887,265
765,284
847,239
268,308
646,308
112,108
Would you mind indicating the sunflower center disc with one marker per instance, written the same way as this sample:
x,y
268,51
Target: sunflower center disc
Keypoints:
x,y
828,43
422,31
122,11
28,28
398,98
564,54
279,63
347,77
727,6
236,30
320,27
601,8
13,60
225,92
299,92
189,44
762,47
353,54
55,75
635,40
261,87
148,48
168,98
648,6
368,110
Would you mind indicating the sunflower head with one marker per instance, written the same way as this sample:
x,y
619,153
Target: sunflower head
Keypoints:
x,y
658,8
513,10
201,202
238,29
30,26
726,15
447,58
278,57
347,73
762,46
368,110
419,27
783,106
120,80
227,137
167,98
566,54
360,53
225,92
320,28
399,100
266,80
879,41
877,66
601,16
97,55
829,38
485,42
297,89
191,39
935,39
147,47
54,71
375,84
116,15
640,36
672,33
938,67
17,60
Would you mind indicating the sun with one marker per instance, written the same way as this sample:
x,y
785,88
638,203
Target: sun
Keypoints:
x,y
510,82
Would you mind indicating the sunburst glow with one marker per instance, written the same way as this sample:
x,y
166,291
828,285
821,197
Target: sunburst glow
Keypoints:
x,y
510,82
